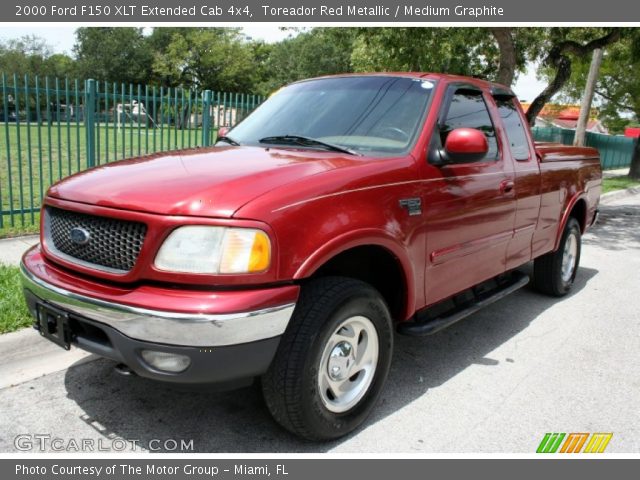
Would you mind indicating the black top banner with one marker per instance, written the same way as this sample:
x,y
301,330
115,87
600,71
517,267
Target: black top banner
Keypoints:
x,y
325,11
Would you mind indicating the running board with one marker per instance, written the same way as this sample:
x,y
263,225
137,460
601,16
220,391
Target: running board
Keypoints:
x,y
481,296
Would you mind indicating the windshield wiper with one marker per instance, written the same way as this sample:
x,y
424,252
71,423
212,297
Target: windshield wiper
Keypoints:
x,y
228,140
306,141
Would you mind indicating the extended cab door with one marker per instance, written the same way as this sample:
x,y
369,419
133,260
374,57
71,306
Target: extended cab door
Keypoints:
x,y
519,146
470,206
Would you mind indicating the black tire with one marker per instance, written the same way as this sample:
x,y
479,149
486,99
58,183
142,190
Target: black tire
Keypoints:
x,y
548,271
291,385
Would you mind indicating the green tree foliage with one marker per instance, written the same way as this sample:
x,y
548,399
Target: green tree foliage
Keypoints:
x,y
311,53
32,55
462,51
161,37
618,88
114,54
209,58
60,65
562,47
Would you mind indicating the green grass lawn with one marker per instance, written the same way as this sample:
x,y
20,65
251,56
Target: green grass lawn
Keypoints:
x,y
618,183
20,227
32,158
13,311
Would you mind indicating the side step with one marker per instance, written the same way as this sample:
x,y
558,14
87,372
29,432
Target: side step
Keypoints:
x,y
465,304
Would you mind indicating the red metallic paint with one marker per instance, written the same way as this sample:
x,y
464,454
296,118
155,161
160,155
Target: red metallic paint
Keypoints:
x,y
479,219
204,182
466,141
568,174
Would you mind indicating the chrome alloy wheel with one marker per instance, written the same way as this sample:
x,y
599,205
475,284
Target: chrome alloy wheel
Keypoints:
x,y
348,364
569,257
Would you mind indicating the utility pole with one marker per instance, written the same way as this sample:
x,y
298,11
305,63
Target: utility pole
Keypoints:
x,y
587,98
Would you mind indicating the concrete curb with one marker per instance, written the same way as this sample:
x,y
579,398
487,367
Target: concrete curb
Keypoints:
x,y
12,249
25,356
618,194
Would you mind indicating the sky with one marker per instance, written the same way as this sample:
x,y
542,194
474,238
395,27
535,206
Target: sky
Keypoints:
x,y
62,39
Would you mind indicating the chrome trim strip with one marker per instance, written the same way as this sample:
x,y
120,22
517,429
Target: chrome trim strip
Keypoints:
x,y
172,328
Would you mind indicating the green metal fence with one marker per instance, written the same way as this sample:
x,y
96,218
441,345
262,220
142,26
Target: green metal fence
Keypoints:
x,y
615,151
52,128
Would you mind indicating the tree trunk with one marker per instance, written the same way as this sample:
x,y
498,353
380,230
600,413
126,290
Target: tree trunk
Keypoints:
x,y
587,98
563,72
507,68
558,59
634,171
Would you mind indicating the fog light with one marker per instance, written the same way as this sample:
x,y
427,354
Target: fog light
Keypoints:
x,y
167,362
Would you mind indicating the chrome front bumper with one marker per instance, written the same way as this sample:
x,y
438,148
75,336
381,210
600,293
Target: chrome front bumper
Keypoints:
x,y
171,328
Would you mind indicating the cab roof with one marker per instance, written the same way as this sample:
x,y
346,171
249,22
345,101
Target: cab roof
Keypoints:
x,y
493,87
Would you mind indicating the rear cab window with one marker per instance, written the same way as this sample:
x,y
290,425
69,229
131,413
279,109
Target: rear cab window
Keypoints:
x,y
514,126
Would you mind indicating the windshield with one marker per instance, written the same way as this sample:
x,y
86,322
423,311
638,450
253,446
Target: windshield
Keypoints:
x,y
373,115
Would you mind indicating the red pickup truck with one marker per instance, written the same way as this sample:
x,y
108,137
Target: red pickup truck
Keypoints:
x,y
342,209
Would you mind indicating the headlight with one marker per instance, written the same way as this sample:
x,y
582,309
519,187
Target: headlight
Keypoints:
x,y
215,250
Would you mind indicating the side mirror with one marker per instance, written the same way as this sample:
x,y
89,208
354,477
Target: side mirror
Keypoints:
x,y
465,145
223,131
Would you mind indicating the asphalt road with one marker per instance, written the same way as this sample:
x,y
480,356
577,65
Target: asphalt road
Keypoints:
x,y
496,382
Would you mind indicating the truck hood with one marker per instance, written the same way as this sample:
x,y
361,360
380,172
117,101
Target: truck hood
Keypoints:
x,y
211,182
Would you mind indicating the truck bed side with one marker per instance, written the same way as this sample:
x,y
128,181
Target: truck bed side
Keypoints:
x,y
571,181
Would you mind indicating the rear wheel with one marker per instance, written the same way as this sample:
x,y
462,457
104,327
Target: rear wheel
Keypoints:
x,y
332,361
555,272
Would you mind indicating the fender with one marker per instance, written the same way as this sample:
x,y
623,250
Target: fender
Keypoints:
x,y
565,216
363,238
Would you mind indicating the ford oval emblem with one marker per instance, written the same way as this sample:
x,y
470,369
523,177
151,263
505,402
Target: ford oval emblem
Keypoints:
x,y
79,236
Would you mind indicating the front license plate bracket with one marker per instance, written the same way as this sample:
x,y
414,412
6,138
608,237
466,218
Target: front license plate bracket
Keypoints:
x,y
54,325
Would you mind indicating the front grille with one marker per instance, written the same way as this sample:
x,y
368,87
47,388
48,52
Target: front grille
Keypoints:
x,y
112,244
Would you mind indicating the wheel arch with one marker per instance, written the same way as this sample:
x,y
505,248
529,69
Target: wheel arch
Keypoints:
x,y
370,256
576,208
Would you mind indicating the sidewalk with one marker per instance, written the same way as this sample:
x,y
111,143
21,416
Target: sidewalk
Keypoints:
x,y
25,355
12,249
619,172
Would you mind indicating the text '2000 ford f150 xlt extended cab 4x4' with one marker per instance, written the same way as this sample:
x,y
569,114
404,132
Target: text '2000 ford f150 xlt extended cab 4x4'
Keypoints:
x,y
343,208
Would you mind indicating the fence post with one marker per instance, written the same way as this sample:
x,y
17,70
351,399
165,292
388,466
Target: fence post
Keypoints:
x,y
206,119
90,120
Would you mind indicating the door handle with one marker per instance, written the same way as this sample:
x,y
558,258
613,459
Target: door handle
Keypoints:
x,y
506,186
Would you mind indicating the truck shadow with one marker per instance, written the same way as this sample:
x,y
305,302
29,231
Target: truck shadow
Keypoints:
x,y
238,421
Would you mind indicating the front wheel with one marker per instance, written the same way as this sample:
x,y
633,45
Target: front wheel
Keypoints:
x,y
555,272
332,361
